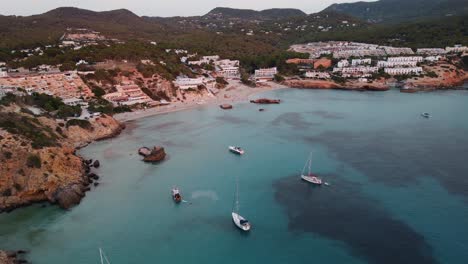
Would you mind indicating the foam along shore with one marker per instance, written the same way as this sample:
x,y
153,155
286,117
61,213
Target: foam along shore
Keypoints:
x,y
235,92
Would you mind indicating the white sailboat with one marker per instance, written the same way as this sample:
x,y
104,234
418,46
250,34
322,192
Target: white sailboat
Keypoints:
x,y
103,256
238,220
310,177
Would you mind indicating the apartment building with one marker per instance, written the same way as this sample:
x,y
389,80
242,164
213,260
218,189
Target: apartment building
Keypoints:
x,y
265,74
404,71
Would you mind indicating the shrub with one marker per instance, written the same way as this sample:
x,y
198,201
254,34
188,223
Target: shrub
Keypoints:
x,y
98,91
7,154
33,161
85,124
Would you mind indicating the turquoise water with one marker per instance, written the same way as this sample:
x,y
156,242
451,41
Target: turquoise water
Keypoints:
x,y
398,194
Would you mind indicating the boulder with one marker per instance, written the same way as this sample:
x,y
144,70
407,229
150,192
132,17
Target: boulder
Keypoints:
x,y
156,155
226,106
144,151
68,196
96,164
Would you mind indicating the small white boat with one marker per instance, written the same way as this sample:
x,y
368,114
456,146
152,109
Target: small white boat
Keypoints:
x,y
236,150
176,195
240,222
426,115
310,177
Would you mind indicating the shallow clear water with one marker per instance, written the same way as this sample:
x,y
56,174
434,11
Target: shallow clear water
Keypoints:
x,y
398,194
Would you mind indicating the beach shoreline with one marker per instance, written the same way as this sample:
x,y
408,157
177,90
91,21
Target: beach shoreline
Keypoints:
x,y
235,92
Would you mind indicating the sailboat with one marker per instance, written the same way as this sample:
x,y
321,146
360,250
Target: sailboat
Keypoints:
x,y
103,257
238,220
310,177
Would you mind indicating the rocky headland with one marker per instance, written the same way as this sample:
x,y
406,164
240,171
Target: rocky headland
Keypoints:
x,y
38,157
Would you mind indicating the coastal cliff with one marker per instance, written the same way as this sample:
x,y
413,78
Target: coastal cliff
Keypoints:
x,y
44,166
448,76
351,85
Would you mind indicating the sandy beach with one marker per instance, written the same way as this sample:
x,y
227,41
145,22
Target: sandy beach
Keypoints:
x,y
233,93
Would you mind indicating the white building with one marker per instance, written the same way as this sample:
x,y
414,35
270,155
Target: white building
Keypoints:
x,y
265,74
3,74
229,69
73,101
357,70
390,64
456,49
317,75
205,60
433,58
342,63
357,62
398,51
404,71
403,59
185,83
431,51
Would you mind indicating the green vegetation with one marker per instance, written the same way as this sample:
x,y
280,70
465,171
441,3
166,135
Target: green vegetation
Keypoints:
x,y
34,161
279,78
385,11
52,105
85,124
98,91
40,136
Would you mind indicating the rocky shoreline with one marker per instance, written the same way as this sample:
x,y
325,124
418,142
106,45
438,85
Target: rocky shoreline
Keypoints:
x,y
12,257
449,78
349,86
50,174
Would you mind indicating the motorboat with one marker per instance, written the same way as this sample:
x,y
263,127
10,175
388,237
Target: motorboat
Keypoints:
x,y
236,150
176,195
426,115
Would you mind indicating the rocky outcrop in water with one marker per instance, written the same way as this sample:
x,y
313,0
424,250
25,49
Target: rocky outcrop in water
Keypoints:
x,y
157,154
265,101
225,106
54,173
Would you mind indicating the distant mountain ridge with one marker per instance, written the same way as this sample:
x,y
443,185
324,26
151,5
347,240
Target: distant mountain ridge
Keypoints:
x,y
392,11
249,14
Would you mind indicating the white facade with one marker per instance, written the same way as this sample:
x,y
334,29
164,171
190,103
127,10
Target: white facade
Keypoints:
x,y
389,64
404,71
3,74
432,58
317,75
404,59
229,69
342,63
431,51
357,70
356,62
265,74
73,101
398,51
188,83
456,49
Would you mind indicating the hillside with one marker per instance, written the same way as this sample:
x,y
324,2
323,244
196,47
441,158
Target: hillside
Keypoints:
x,y
393,11
248,14
442,32
48,27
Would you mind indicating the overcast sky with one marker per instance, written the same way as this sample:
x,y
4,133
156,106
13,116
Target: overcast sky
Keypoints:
x,y
159,7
